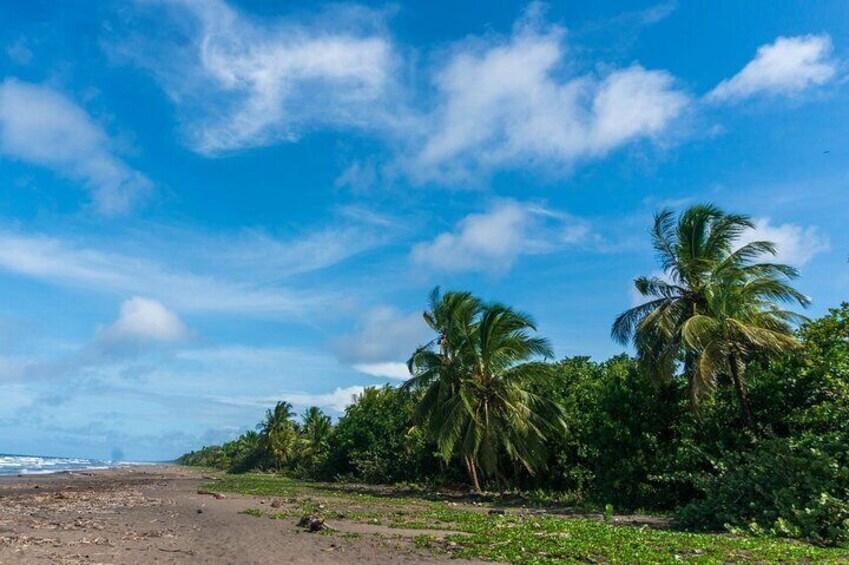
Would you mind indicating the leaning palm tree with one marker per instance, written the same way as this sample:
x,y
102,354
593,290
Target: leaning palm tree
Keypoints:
x,y
695,251
474,377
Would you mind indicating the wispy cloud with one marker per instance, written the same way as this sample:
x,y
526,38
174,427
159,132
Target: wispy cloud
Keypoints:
x,y
71,264
19,52
41,126
243,82
787,66
492,241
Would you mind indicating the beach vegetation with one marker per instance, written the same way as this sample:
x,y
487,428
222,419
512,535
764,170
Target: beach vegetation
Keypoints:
x,y
732,414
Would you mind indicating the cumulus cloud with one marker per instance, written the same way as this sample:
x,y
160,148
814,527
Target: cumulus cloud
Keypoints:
x,y
143,320
382,340
490,102
43,127
493,240
797,245
244,82
786,66
504,102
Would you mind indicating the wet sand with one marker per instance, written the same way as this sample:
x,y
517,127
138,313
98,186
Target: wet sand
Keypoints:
x,y
155,514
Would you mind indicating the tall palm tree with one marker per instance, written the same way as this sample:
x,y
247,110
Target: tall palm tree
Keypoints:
x,y
474,376
439,368
315,433
696,251
278,433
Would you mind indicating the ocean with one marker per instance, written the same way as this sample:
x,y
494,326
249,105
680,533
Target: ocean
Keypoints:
x,y
36,465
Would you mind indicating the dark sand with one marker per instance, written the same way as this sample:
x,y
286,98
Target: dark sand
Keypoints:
x,y
154,514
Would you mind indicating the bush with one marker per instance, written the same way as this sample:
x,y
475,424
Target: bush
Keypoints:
x,y
374,442
782,487
620,433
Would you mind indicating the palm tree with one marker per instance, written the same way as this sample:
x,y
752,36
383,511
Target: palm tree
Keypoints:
x,y
278,433
315,433
439,367
697,251
474,377
741,320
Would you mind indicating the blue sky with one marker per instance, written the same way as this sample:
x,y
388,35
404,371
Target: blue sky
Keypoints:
x,y
210,206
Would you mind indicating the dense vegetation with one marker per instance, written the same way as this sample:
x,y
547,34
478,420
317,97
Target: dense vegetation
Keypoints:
x,y
734,412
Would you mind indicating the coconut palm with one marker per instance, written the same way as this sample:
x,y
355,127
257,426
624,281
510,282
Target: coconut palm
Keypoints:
x,y
278,433
474,377
439,367
315,433
741,320
696,251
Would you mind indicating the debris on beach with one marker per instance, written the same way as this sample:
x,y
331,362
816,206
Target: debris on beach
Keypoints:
x,y
314,524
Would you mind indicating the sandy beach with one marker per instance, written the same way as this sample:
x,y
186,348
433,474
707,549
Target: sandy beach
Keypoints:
x,y
155,514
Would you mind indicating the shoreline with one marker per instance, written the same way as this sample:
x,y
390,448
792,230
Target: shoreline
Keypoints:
x,y
13,477
160,513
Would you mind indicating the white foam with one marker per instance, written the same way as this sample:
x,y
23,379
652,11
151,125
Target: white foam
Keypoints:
x,y
36,465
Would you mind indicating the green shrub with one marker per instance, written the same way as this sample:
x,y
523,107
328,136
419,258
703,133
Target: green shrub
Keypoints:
x,y
782,487
374,441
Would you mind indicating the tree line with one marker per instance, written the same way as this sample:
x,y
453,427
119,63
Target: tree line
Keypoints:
x,y
732,413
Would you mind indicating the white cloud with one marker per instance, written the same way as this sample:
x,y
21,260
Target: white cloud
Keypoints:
x,y
510,102
796,244
336,400
383,338
491,102
145,320
786,66
492,241
242,82
42,127
66,263
387,369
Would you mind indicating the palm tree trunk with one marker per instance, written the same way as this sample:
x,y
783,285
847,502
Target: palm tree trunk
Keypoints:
x,y
473,473
690,371
741,391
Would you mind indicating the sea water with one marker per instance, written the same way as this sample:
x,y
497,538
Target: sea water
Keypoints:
x,y
36,465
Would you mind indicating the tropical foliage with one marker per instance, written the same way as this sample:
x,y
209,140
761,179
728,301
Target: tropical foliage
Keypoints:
x,y
474,381
733,413
714,307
